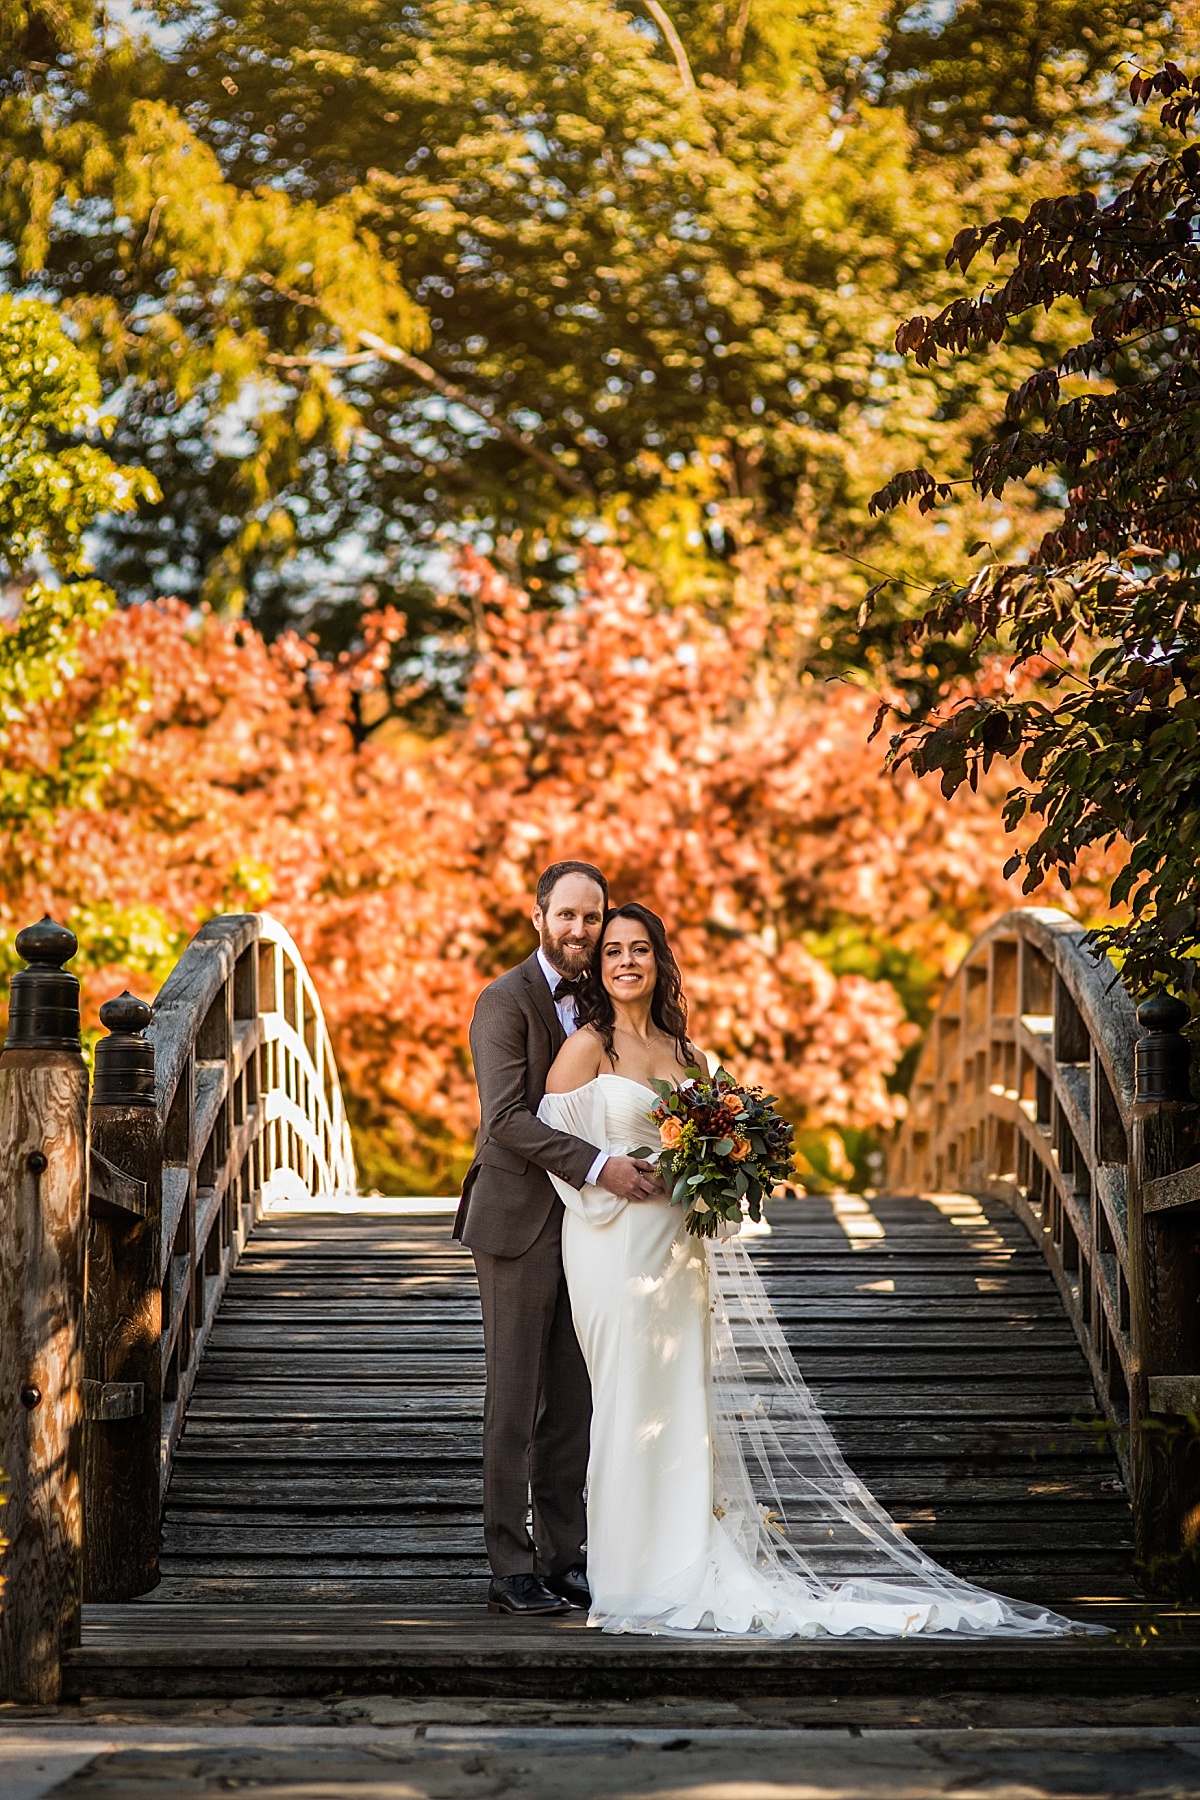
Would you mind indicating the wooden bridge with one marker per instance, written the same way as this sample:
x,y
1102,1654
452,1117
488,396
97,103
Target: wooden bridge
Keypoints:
x,y
245,1458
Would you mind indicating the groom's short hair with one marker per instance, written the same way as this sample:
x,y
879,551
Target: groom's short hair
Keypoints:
x,y
549,879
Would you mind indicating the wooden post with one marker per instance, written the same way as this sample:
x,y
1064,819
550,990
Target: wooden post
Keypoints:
x,y
43,1151
123,1337
1164,1262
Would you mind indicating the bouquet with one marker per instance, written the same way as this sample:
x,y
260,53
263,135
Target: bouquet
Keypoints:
x,y
724,1148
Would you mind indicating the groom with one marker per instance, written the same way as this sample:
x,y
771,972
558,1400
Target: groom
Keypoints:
x,y
537,1411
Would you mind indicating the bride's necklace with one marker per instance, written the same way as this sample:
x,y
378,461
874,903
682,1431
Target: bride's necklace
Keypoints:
x,y
646,1045
646,1048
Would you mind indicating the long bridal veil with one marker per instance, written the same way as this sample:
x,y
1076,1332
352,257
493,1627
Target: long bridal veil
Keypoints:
x,y
790,1543
786,1497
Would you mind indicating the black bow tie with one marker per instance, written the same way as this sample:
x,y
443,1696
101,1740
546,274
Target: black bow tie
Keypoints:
x,y
569,987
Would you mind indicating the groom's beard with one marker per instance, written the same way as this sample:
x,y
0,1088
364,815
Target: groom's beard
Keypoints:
x,y
568,960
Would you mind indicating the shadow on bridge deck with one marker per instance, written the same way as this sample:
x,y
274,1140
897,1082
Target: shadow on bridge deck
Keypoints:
x,y
323,1528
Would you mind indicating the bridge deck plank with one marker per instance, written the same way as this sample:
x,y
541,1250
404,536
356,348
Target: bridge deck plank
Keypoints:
x,y
327,1487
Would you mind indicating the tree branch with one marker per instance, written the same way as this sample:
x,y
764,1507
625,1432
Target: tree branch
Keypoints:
x,y
449,390
737,41
381,350
662,19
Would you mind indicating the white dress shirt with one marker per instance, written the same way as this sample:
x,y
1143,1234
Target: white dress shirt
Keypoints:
x,y
566,1010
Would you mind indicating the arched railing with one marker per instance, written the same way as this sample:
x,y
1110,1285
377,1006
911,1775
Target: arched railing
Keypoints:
x,y
249,1112
1038,1084
248,1093
118,1233
1024,1091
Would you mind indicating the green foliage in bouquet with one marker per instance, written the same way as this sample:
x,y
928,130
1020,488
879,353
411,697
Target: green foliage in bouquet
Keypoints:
x,y
724,1148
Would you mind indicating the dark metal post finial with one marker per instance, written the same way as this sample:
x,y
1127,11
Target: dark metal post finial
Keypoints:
x,y
124,1074
43,1002
1162,1059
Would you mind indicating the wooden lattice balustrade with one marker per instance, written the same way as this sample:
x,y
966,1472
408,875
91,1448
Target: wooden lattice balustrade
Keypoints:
x,y
248,1091
219,1102
1038,1084
1038,1088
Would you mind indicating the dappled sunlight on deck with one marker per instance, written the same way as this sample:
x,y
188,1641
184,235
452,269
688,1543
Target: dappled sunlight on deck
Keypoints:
x,y
856,1219
325,1508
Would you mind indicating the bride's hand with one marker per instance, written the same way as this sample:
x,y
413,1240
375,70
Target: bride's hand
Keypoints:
x,y
630,1179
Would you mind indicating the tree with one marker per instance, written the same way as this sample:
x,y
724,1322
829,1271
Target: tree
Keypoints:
x,y
54,485
816,903
1106,621
619,263
190,292
1027,77
660,282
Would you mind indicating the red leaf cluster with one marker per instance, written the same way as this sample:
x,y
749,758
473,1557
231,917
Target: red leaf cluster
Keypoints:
x,y
795,876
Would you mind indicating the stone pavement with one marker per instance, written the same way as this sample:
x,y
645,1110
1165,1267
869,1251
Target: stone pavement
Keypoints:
x,y
405,1750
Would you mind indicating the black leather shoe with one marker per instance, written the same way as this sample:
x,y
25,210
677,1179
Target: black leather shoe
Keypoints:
x,y
573,1586
527,1595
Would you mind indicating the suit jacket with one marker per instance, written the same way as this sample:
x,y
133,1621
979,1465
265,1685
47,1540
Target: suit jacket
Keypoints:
x,y
507,1196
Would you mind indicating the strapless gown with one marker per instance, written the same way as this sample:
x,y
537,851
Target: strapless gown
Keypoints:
x,y
717,1501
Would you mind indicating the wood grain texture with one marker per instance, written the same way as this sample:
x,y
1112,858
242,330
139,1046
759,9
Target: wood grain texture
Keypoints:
x,y
122,1453
43,1114
188,992
201,1646
323,1526
1024,1091
1182,1188
333,1438
1164,1248
251,1107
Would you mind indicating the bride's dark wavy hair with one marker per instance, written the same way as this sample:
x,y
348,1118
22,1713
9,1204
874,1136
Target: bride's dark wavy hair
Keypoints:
x,y
668,1006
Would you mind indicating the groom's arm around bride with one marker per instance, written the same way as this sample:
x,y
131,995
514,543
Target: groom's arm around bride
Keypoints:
x,y
506,1195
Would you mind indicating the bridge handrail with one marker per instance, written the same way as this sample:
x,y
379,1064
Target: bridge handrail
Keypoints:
x,y
1042,1121
1037,1085
250,1113
123,1222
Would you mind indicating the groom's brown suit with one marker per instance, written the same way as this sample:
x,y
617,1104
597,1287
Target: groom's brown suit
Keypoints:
x,y
538,1407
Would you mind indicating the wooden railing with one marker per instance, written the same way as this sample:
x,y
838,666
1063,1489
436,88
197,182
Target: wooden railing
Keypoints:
x,y
219,1101
248,1092
1038,1084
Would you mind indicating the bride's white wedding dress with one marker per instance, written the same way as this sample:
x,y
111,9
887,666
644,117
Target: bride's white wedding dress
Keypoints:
x,y
717,1498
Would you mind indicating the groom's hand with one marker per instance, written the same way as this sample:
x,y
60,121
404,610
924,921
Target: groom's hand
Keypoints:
x,y
630,1179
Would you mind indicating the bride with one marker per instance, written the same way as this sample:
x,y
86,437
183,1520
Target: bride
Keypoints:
x,y
717,1500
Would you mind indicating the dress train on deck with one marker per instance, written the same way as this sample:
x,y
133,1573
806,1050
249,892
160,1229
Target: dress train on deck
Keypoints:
x,y
718,1501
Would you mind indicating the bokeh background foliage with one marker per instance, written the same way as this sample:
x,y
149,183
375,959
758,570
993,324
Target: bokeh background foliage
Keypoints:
x,y
467,418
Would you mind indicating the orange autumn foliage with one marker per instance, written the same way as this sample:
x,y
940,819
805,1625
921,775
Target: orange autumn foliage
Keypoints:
x,y
808,894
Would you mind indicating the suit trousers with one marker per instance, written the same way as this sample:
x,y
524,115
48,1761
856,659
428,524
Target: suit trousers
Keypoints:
x,y
537,1413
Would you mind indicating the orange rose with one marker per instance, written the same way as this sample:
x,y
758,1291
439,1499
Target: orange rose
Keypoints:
x,y
741,1149
732,1103
670,1132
